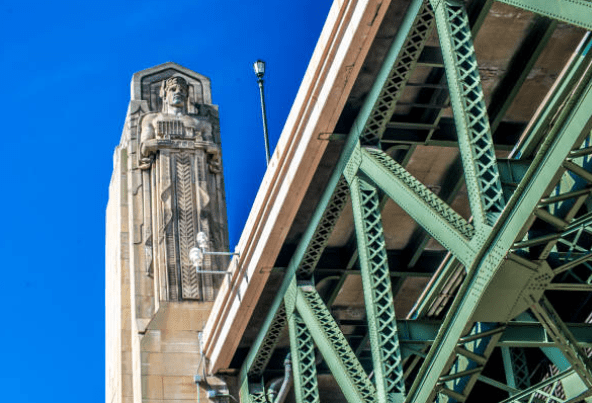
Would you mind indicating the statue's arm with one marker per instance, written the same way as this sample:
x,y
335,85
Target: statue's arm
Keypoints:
x,y
146,133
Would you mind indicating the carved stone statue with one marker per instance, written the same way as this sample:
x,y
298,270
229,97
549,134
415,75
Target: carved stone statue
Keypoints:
x,y
173,123
181,166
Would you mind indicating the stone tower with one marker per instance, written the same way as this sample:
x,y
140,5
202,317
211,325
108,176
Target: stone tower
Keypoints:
x,y
167,187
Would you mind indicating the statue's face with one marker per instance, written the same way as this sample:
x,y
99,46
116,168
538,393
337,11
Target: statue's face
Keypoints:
x,y
176,95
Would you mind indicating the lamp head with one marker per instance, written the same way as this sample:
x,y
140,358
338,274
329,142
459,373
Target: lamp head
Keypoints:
x,y
202,240
259,68
196,257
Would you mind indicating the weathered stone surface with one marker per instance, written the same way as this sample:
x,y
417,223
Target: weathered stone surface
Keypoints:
x,y
166,187
182,194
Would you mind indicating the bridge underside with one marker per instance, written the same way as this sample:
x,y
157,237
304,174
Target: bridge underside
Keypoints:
x,y
443,247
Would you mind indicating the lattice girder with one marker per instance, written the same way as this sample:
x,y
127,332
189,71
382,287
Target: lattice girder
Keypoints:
x,y
252,392
378,297
332,344
398,76
559,332
306,387
429,211
470,112
270,341
324,229
471,357
573,122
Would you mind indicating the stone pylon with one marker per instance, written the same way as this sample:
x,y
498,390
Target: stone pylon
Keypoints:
x,y
167,187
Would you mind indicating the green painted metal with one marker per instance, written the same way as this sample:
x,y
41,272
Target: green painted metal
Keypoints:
x,y
569,78
497,384
543,391
378,297
338,355
448,192
572,123
443,223
252,392
516,368
575,12
310,234
327,332
449,276
470,113
351,143
559,332
472,354
323,230
421,333
309,249
269,342
417,33
306,387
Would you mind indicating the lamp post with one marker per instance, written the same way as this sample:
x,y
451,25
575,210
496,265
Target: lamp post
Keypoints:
x,y
259,68
197,254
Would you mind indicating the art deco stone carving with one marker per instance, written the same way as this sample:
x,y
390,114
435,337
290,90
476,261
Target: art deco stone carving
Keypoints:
x,y
176,151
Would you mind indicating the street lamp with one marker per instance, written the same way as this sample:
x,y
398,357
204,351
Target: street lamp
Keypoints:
x,y
197,254
259,68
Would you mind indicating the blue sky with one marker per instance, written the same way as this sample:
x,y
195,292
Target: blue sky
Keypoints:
x,y
66,69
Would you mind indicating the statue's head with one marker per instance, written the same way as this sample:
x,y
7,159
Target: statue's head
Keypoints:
x,y
174,91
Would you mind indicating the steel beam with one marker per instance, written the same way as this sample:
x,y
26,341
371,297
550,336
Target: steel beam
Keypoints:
x,y
252,392
364,118
470,113
378,296
575,12
324,229
572,123
544,388
441,221
410,44
338,355
559,332
268,343
312,243
545,117
516,368
306,385
515,334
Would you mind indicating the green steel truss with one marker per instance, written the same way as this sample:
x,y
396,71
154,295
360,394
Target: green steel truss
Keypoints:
x,y
516,367
558,331
435,216
470,112
306,386
334,347
414,42
269,342
252,392
461,347
575,12
378,296
323,230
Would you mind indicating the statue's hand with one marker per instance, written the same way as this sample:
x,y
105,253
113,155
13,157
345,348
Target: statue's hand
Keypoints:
x,y
146,162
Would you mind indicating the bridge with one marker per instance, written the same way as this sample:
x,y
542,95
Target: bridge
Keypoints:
x,y
423,230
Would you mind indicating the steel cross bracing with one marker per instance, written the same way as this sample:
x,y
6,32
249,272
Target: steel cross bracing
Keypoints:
x,y
398,76
386,356
306,385
263,346
470,112
516,367
486,245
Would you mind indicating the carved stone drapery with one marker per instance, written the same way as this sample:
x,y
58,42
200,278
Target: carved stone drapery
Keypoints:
x,y
182,210
183,193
